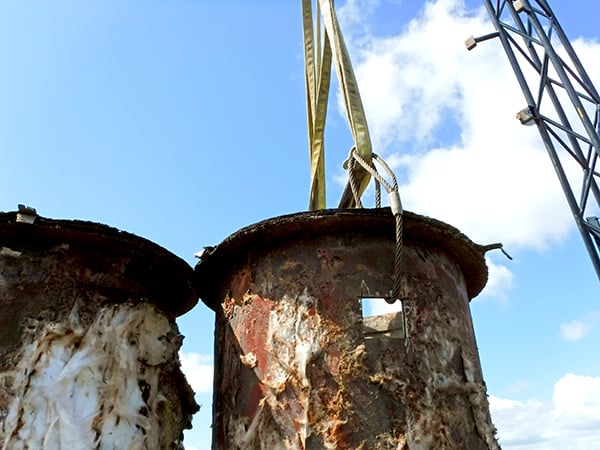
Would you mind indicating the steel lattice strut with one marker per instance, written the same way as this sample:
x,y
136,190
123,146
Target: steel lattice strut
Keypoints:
x,y
561,100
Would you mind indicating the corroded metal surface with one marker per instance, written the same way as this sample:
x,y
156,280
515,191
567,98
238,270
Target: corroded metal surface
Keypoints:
x,y
88,339
113,260
296,367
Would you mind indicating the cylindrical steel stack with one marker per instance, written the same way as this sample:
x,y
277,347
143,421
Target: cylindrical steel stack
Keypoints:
x,y
299,367
88,339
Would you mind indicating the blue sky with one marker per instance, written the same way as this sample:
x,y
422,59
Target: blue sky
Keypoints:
x,y
183,121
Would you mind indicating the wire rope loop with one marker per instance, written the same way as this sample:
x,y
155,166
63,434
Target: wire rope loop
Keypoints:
x,y
391,188
395,203
353,183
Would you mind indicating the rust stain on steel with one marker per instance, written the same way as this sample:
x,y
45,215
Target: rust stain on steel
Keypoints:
x,y
295,368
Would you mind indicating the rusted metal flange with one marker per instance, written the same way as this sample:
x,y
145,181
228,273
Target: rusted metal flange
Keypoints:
x,y
159,276
216,264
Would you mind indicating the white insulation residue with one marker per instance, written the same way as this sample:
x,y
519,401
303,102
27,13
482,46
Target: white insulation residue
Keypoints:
x,y
94,388
294,335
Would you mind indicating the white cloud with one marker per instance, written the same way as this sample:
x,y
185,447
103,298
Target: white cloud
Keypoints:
x,y
518,386
408,80
571,420
494,180
577,402
500,281
198,370
378,306
576,330
354,12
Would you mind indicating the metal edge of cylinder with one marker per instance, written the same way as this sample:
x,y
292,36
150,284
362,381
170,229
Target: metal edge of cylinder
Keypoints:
x,y
176,274
214,265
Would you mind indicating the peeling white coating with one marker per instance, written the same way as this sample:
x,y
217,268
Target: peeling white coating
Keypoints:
x,y
5,251
296,330
293,336
249,360
77,388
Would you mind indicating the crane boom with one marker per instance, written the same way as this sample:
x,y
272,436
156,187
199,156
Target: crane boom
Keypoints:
x,y
561,100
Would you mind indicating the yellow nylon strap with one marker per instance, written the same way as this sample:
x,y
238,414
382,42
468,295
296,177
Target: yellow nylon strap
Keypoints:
x,y
318,75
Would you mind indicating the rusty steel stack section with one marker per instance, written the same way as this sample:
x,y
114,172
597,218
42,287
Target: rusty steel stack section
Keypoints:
x,y
88,339
297,365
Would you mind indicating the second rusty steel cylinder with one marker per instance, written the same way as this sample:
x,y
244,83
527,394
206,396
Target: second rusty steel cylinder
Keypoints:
x,y
299,365
88,339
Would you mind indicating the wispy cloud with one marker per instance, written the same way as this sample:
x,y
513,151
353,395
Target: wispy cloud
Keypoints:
x,y
198,370
574,330
577,329
517,387
354,12
500,281
571,420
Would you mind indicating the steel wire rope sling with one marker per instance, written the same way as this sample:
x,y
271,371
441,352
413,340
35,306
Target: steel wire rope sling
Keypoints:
x,y
319,52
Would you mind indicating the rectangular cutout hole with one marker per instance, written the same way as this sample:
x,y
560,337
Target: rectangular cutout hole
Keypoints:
x,y
381,319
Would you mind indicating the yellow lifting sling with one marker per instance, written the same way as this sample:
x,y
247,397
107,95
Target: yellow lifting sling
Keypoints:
x,y
318,55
